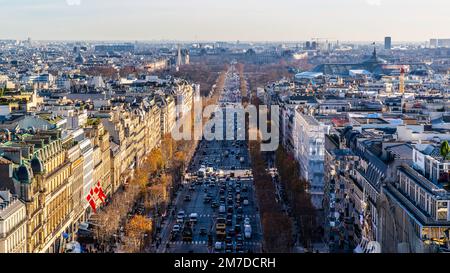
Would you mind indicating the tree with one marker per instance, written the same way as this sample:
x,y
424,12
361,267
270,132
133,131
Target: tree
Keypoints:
x,y
445,150
136,229
155,160
167,147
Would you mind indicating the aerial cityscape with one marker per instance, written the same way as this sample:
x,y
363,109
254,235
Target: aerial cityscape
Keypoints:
x,y
191,141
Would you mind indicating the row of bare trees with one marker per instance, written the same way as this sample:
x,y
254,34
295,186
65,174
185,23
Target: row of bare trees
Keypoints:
x,y
243,82
277,226
201,72
113,216
297,196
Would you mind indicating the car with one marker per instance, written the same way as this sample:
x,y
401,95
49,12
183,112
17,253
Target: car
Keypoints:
x,y
239,246
231,232
248,231
214,205
193,217
176,228
187,234
180,217
191,188
245,202
229,222
240,210
218,246
239,218
203,232
247,221
187,198
229,246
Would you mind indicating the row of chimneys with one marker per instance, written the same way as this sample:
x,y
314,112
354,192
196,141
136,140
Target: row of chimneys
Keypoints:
x,y
8,199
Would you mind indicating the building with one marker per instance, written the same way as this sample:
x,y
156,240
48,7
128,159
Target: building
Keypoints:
x,y
168,113
416,213
373,64
387,43
76,159
309,151
436,43
115,48
99,137
13,220
40,178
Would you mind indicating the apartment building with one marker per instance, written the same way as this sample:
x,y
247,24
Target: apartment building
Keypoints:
x,y
99,136
13,220
40,178
309,151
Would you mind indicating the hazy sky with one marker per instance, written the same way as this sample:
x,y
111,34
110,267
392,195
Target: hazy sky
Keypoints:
x,y
257,20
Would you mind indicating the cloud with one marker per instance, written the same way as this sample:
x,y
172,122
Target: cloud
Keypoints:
x,y
373,2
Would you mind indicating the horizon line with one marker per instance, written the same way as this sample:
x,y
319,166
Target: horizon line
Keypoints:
x,y
216,41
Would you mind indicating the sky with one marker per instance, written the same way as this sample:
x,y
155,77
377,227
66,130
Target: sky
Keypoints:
x,y
225,20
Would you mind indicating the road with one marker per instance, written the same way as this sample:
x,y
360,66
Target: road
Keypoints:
x,y
227,185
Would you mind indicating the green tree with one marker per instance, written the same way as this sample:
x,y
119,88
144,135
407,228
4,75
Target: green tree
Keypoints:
x,y
445,149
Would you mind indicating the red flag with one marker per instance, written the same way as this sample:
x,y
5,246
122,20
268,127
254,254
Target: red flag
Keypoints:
x,y
91,202
100,193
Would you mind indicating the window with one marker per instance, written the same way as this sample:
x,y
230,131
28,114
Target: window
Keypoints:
x,y
442,211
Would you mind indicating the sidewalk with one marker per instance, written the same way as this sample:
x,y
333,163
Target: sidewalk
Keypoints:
x,y
165,229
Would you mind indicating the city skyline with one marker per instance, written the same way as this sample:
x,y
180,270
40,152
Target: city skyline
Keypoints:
x,y
201,20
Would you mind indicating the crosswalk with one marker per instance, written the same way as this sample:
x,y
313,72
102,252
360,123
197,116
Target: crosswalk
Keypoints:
x,y
188,243
205,243
215,215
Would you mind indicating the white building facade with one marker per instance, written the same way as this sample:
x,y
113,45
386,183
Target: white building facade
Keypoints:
x,y
309,151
